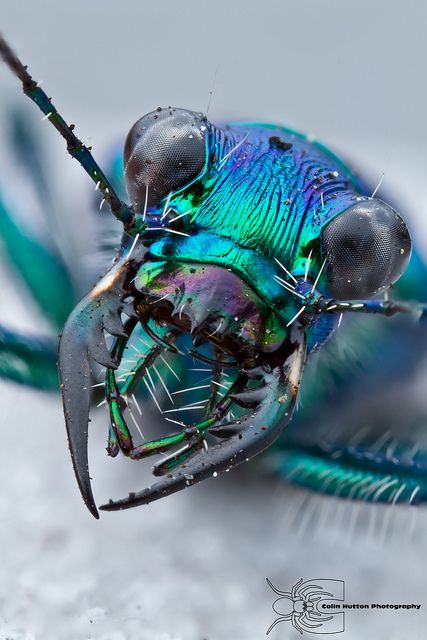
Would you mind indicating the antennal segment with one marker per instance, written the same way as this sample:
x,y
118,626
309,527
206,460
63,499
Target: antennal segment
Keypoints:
x,y
75,147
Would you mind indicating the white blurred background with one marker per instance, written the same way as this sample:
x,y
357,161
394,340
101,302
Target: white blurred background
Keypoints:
x,y
193,566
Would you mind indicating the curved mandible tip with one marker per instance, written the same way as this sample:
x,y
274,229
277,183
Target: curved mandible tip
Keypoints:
x,y
75,376
82,343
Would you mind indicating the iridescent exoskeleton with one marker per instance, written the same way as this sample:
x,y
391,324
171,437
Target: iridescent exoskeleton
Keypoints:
x,y
246,239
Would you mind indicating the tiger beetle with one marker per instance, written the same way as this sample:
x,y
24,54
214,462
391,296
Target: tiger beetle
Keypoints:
x,y
243,246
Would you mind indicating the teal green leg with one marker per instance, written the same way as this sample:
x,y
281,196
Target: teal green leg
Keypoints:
x,y
28,360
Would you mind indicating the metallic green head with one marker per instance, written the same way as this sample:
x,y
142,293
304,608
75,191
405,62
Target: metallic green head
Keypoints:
x,y
246,197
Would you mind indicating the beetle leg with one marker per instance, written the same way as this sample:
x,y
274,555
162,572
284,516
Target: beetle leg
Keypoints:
x,y
39,264
27,359
253,432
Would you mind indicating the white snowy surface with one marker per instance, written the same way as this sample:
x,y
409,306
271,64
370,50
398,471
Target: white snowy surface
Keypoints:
x,y
189,567
193,566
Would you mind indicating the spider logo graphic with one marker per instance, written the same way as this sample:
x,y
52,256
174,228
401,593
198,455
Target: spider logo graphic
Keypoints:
x,y
303,602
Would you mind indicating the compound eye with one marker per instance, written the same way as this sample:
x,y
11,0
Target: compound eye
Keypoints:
x,y
164,151
367,248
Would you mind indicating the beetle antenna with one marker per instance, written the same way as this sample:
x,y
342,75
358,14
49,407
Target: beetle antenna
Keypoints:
x,y
75,147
